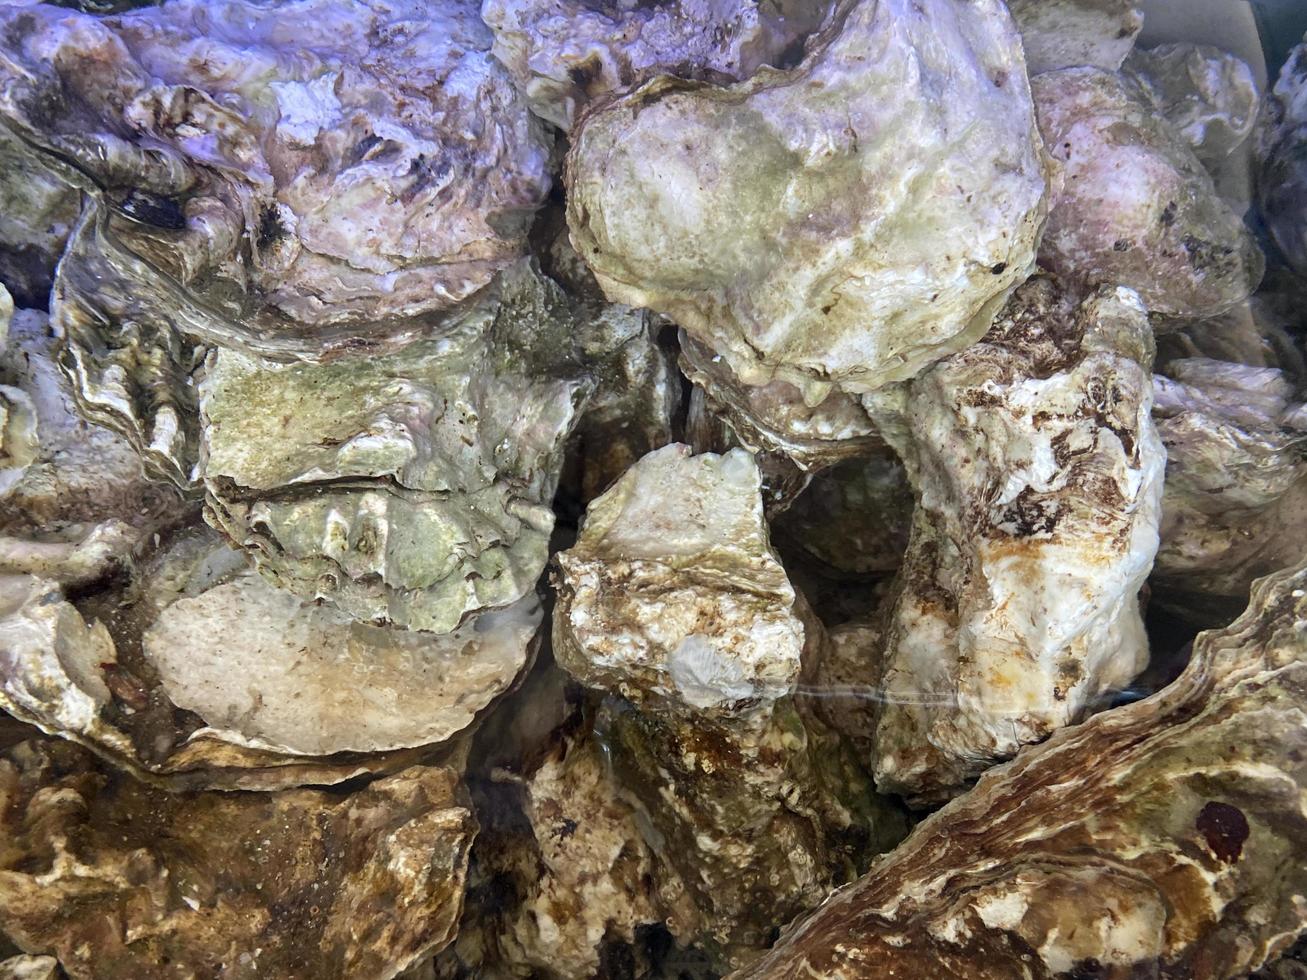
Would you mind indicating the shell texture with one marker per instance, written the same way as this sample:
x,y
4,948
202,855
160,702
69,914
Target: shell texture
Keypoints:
x,y
1161,838
243,885
1282,150
672,602
565,56
1133,205
1038,475
843,222
1235,506
410,488
1208,95
202,674
1077,33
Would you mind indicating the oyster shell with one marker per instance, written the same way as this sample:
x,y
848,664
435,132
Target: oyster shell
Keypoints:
x,y
846,221
203,674
1208,95
37,213
1038,474
773,418
1235,506
1281,149
74,499
30,968
672,594
238,144
673,601
1073,33
411,487
1133,206
1160,838
363,883
567,55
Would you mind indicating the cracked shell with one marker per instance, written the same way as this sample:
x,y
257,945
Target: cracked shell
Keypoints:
x,y
843,222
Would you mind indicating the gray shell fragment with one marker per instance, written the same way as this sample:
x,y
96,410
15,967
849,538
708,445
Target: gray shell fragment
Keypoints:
x,y
846,221
1038,473
412,487
1132,204
566,55
1235,506
1075,33
1282,150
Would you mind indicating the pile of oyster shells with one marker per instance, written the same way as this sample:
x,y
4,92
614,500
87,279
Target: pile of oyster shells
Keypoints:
x,y
648,488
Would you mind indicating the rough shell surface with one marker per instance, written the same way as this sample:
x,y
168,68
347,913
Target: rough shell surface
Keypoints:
x,y
270,671
1208,95
1162,838
567,55
184,679
413,487
117,878
1132,205
1235,506
294,165
773,418
37,212
1073,33
1038,474
672,593
1282,150
848,220
673,602
74,499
